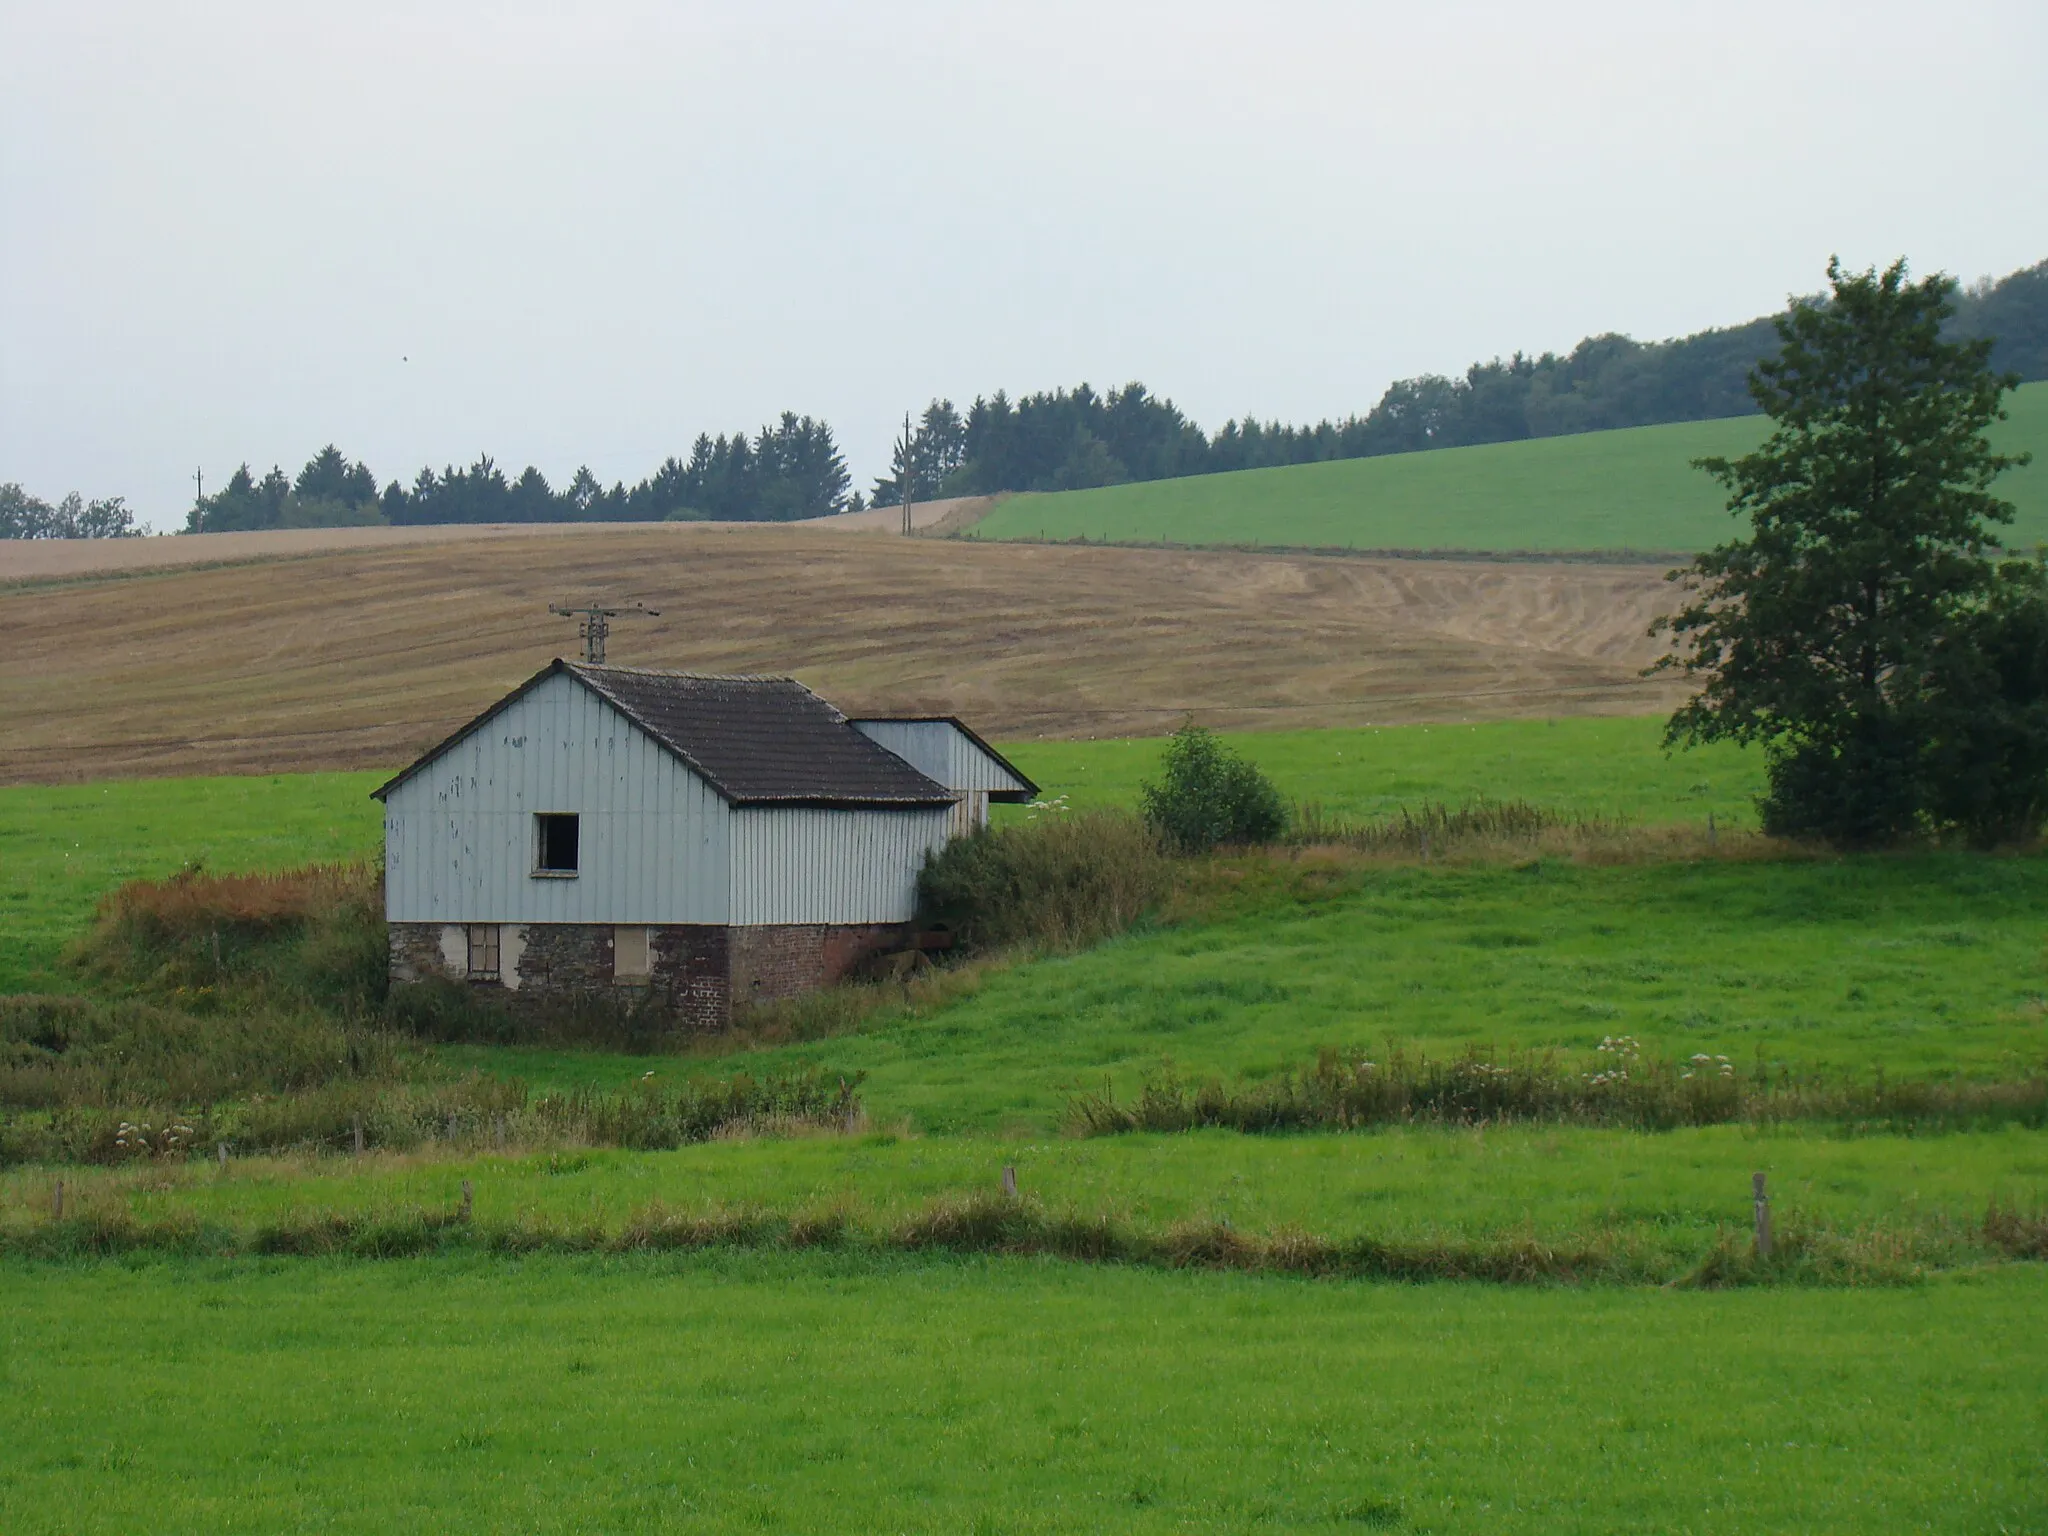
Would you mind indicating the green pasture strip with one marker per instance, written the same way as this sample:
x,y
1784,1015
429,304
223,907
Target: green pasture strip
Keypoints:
x,y
727,1392
1924,965
1632,489
63,847
1677,1193
1609,768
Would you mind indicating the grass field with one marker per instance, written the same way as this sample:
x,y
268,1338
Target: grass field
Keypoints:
x,y
1626,490
796,1394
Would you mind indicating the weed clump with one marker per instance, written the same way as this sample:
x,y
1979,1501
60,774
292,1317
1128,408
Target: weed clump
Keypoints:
x,y
472,1112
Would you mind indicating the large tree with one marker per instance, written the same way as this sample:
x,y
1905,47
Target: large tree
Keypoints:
x,y
1856,633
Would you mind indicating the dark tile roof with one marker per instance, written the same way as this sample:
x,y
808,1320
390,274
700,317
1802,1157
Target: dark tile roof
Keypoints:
x,y
763,740
755,740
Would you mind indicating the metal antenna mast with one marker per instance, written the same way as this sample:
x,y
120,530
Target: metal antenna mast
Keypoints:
x,y
596,623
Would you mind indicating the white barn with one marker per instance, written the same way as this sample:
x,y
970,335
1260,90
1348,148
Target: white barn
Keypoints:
x,y
706,841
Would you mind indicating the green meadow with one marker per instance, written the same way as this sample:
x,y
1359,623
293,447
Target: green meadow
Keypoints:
x,y
1918,967
1613,769
63,846
1633,489
531,1369
739,1392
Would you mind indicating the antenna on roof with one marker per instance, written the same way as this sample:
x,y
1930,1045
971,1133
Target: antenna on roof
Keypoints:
x,y
597,623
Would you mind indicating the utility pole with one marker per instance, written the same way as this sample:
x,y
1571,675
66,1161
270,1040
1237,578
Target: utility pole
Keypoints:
x,y
596,624
199,499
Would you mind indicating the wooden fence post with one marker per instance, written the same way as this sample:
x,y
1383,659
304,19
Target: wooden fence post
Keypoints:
x,y
223,1154
1009,1181
468,1196
356,1128
1763,1216
1713,838
57,1202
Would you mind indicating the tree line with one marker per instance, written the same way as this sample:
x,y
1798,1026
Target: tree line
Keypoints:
x,y
791,468
1062,439
1074,439
23,516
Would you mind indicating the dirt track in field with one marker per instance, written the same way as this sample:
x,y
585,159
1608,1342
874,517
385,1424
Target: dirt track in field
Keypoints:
x,y
361,657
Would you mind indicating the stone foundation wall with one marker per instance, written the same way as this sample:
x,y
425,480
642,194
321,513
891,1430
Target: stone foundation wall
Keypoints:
x,y
415,951
558,960
697,973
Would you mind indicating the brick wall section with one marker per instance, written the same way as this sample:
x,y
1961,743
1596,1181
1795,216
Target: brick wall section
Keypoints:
x,y
692,974
774,961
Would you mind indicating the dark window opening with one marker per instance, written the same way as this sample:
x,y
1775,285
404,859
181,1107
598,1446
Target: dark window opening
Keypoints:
x,y
558,840
483,951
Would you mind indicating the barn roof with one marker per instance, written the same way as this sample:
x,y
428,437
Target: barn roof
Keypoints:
x,y
755,740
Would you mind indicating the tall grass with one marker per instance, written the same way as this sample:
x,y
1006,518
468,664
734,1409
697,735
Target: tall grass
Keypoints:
x,y
88,1053
471,1113
1058,882
312,936
1350,1091
991,1223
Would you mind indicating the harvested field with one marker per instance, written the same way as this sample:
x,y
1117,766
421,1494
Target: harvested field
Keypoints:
x,y
57,559
361,657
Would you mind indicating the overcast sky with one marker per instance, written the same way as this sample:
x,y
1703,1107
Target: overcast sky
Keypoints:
x,y
567,234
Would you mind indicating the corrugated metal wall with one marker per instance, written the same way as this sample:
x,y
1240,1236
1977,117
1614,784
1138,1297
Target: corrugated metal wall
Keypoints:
x,y
817,866
940,750
459,837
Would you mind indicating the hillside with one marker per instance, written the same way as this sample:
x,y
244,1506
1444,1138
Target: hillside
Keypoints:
x,y
358,658
1596,491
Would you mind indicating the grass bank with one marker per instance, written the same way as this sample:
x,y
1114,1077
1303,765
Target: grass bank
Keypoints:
x,y
1921,966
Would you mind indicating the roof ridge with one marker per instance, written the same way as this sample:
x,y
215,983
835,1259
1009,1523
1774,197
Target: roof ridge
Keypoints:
x,y
706,677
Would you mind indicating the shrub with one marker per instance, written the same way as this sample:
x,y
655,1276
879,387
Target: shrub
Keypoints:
x,y
1209,795
1058,882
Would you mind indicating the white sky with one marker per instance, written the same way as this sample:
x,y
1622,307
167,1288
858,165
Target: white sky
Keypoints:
x,y
598,229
